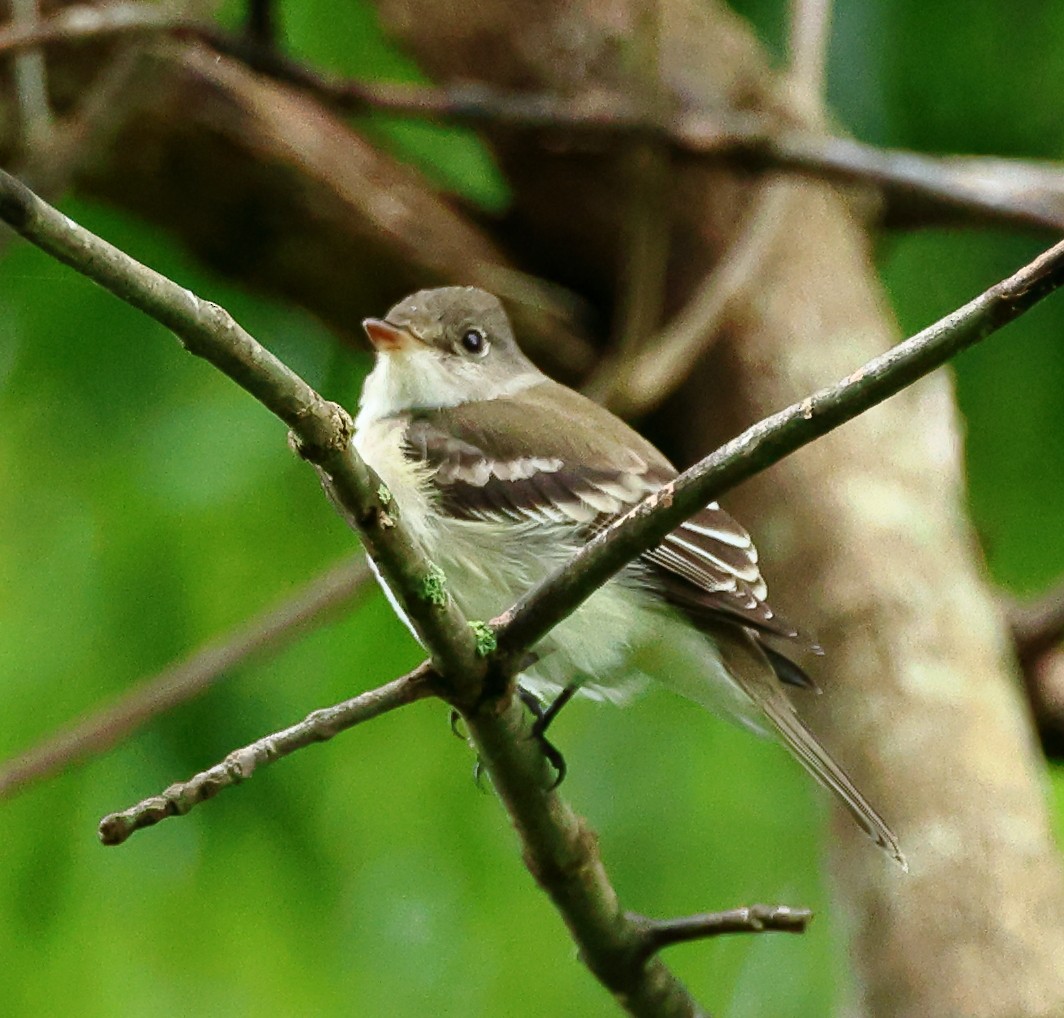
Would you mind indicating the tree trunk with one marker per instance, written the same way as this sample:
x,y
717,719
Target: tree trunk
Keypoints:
x,y
865,533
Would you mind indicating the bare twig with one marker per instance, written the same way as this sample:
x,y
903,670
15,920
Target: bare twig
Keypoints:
x,y
559,849
180,682
644,381
918,188
241,764
657,934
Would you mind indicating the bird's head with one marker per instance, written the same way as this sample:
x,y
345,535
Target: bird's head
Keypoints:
x,y
440,348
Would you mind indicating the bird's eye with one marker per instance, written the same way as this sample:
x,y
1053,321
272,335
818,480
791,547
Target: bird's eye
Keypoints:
x,y
475,342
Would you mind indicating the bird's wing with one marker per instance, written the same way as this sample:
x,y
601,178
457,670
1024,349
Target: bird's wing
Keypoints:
x,y
482,469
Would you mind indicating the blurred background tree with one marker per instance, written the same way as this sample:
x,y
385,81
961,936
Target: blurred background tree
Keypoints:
x,y
146,505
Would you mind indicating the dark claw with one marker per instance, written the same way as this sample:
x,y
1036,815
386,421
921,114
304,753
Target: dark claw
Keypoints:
x,y
544,716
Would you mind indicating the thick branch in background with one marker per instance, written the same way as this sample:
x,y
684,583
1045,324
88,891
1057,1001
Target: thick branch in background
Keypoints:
x,y
106,727
922,696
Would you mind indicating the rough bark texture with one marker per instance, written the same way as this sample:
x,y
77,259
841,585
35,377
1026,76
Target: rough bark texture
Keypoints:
x,y
864,533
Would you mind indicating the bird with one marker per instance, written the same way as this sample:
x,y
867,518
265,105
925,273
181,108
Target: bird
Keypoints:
x,y
502,474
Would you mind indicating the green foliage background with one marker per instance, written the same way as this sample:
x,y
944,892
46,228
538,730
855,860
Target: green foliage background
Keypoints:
x,y
146,504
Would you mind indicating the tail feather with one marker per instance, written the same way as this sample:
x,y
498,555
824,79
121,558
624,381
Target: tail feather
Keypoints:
x,y
818,762
753,672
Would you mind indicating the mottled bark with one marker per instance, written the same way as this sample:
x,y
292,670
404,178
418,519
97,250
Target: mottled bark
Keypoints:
x,y
864,533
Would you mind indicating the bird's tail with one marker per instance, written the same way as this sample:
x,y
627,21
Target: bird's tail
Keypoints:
x,y
747,664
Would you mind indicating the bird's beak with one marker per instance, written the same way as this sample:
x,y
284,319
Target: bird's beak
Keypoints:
x,y
386,337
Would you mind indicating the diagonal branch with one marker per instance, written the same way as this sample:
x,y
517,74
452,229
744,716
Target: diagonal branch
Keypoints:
x,y
241,764
185,679
560,850
657,934
769,441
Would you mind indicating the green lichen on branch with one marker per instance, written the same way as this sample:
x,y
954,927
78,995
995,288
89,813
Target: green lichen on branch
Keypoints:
x,y
384,496
484,636
434,587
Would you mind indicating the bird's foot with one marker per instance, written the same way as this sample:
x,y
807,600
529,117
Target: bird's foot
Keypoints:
x,y
544,716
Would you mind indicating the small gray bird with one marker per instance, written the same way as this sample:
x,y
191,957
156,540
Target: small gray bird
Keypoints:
x,y
502,474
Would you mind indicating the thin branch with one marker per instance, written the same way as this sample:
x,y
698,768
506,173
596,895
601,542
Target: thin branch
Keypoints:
x,y
657,934
918,188
644,381
559,848
241,764
769,441
267,633
810,33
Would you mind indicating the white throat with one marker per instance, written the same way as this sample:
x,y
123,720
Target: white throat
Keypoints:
x,y
419,379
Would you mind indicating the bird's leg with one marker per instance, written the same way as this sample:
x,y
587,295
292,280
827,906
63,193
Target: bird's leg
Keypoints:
x,y
544,716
